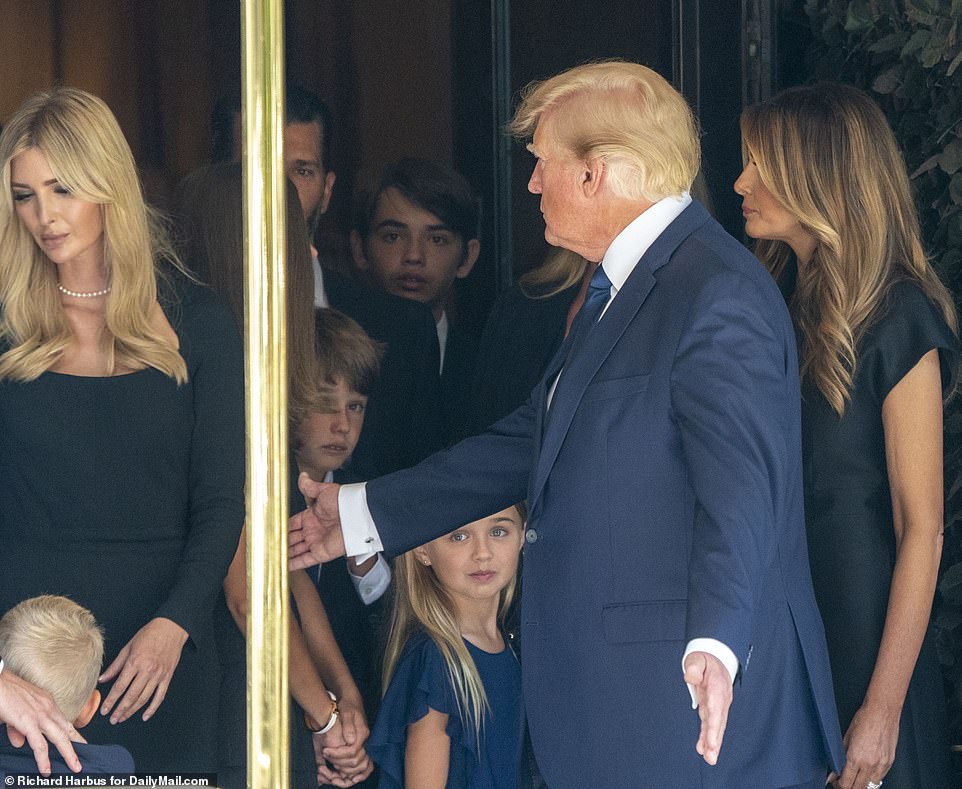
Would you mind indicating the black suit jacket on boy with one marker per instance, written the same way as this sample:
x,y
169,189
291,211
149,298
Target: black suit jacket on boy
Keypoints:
x,y
358,628
519,339
403,422
457,379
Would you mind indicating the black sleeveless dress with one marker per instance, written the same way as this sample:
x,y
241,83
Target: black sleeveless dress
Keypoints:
x,y
851,537
125,494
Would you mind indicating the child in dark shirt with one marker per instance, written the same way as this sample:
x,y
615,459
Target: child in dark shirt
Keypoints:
x,y
452,715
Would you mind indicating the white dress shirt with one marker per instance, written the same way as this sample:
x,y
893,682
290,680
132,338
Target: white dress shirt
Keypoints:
x,y
372,585
621,257
320,296
442,326
629,247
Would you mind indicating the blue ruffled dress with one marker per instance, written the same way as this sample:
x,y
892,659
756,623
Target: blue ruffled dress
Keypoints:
x,y
421,682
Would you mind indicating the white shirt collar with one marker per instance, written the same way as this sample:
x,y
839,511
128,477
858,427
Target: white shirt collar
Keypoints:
x,y
320,296
442,329
631,243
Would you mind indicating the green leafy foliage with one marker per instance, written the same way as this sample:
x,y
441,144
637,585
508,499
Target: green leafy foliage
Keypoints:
x,y
907,54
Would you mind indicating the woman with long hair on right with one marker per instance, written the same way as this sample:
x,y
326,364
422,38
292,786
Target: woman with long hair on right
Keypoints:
x,y
826,194
452,714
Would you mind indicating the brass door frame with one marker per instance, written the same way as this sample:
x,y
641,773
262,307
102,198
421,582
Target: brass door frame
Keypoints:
x,y
262,39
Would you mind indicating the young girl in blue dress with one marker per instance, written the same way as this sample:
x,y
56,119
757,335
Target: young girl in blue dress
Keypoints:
x,y
452,714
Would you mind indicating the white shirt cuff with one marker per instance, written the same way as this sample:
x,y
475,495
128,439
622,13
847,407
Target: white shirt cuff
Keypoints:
x,y
712,647
361,539
371,586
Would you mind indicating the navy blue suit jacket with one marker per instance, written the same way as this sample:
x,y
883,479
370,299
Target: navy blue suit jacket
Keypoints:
x,y
665,497
95,759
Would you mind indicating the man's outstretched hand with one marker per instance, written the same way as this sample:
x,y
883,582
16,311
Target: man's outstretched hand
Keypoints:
x,y
713,693
314,535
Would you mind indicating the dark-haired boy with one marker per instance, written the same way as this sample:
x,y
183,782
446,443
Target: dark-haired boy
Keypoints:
x,y
415,234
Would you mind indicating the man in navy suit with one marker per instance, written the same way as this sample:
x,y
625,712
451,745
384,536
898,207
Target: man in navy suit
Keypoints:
x,y
661,458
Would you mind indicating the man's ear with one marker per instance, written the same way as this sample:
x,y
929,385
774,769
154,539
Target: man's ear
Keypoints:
x,y
327,191
592,176
471,251
357,251
88,710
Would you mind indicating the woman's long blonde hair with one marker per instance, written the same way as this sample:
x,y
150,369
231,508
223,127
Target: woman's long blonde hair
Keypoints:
x,y
421,603
561,269
827,154
84,147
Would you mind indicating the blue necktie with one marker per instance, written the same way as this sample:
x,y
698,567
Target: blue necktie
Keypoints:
x,y
599,291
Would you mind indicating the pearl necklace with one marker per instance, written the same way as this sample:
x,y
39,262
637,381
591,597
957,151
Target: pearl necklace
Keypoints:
x,y
81,294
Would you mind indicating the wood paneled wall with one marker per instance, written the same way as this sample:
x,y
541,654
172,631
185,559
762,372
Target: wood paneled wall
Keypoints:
x,y
384,65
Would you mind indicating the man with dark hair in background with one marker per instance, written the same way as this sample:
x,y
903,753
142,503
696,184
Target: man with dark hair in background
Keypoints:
x,y
403,423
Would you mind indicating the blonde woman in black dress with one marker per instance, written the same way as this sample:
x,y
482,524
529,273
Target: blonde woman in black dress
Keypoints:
x,y
825,192
121,426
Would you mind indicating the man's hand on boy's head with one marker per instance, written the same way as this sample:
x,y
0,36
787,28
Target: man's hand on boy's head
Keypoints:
x,y
32,716
314,535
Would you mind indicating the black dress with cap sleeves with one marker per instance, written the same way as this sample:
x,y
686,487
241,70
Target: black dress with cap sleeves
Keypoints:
x,y
851,535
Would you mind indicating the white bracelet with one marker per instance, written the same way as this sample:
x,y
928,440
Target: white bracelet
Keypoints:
x,y
311,723
333,719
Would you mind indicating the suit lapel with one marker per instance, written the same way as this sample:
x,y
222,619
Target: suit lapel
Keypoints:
x,y
581,368
540,393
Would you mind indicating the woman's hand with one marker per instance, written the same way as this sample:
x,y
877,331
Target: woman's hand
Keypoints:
x,y
350,758
32,716
869,747
340,763
143,668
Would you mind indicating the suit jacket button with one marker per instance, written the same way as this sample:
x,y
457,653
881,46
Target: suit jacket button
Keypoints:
x,y
531,535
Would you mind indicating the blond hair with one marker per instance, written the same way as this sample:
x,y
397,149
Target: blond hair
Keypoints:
x,y
56,644
87,153
625,114
828,155
422,603
560,270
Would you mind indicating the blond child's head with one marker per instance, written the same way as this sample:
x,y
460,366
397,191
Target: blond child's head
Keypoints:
x,y
57,645
348,360
434,583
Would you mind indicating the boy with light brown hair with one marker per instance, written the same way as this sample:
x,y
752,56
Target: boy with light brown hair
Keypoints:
x,y
323,441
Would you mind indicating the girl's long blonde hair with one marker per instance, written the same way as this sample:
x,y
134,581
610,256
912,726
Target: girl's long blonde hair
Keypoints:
x,y
421,603
84,147
827,154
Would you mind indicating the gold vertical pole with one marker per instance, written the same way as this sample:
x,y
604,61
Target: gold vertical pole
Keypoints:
x,y
262,34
